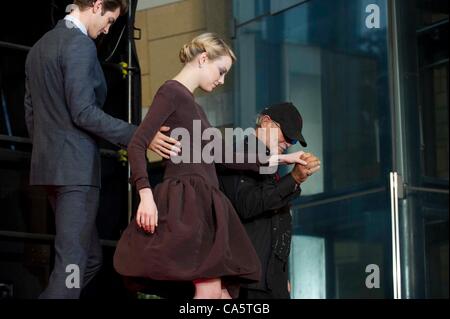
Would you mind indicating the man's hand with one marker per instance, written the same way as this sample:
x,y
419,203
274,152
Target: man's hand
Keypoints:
x,y
163,145
301,172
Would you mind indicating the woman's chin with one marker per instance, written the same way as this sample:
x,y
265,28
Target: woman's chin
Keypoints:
x,y
208,89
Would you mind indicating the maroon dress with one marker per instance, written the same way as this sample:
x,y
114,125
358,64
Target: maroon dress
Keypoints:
x,y
199,234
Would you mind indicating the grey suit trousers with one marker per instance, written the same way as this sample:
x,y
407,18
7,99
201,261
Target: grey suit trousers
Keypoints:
x,y
78,254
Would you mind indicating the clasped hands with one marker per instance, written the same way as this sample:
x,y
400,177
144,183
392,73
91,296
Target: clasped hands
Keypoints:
x,y
301,172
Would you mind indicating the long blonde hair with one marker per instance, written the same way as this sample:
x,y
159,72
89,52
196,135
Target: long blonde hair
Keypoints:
x,y
210,43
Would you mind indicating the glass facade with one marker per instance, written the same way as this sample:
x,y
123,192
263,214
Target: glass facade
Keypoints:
x,y
333,60
422,139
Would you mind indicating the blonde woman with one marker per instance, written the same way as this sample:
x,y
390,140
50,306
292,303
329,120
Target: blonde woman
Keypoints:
x,y
186,229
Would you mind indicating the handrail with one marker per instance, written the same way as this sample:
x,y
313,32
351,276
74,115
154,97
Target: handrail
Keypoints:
x,y
13,46
44,237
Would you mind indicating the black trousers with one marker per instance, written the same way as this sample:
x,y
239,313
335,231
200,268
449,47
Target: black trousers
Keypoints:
x,y
246,294
277,279
78,254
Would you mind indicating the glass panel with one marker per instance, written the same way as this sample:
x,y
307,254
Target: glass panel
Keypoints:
x,y
435,119
279,5
427,255
245,10
431,11
335,71
334,244
322,56
433,89
423,65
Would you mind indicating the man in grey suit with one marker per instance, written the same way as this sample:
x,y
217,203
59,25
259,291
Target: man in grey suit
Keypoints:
x,y
65,92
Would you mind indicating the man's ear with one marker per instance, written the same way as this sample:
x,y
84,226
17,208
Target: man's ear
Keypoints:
x,y
97,6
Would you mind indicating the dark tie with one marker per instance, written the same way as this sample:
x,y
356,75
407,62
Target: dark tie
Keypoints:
x,y
277,177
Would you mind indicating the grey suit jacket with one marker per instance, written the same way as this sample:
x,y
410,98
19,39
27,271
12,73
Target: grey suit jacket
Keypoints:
x,y
65,92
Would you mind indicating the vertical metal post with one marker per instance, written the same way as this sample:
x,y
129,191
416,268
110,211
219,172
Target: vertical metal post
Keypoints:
x,y
130,98
393,228
396,270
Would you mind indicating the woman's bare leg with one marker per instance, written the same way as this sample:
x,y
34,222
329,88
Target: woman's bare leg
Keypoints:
x,y
225,294
208,289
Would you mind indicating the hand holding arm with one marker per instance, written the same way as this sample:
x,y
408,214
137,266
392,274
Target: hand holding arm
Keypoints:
x,y
164,145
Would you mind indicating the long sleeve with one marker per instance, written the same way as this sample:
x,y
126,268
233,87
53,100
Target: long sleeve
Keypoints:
x,y
248,163
160,110
28,108
80,63
243,158
253,197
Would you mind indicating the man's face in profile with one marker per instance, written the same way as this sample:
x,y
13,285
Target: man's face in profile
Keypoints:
x,y
102,22
273,136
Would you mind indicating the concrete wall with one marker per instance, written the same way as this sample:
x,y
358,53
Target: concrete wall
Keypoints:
x,y
147,4
165,29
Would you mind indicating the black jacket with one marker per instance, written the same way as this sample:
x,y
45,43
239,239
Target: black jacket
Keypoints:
x,y
65,92
262,202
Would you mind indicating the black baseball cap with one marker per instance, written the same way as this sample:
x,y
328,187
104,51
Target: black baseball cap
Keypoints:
x,y
290,120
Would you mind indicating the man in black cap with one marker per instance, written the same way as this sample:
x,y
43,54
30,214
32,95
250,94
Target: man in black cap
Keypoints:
x,y
262,200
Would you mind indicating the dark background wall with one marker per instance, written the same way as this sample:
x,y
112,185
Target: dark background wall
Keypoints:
x,y
26,220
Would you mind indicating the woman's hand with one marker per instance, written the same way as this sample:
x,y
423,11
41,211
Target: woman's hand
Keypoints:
x,y
163,145
291,158
147,213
